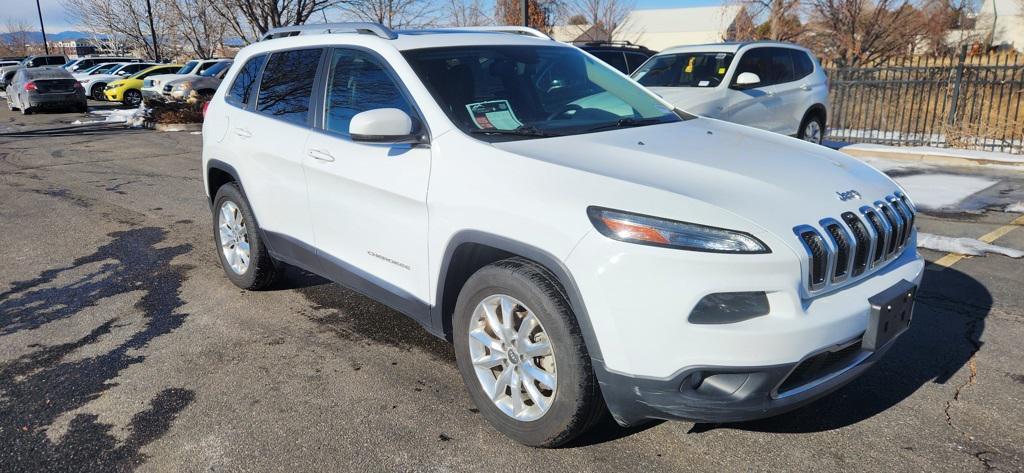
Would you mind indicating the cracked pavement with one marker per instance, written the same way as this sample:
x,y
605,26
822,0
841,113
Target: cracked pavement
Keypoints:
x,y
123,347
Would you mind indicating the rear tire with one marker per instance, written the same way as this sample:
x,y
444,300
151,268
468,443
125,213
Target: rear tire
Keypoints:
x,y
240,246
565,410
812,129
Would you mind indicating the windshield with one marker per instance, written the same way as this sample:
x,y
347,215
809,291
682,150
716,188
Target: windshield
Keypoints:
x,y
521,92
187,67
104,68
215,69
684,70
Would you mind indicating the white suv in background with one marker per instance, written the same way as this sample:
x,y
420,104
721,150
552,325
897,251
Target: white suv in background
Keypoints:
x,y
584,245
152,87
774,86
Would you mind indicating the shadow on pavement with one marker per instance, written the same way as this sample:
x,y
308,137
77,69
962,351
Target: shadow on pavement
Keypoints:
x,y
50,383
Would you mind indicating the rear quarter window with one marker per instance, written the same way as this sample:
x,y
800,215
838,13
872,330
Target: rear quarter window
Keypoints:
x,y
241,88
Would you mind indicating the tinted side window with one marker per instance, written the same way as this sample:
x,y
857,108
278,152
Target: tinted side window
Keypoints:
x,y
782,68
756,61
241,88
613,58
287,85
357,83
803,64
634,60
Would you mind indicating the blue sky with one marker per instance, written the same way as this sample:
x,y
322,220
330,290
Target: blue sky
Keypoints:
x,y
56,19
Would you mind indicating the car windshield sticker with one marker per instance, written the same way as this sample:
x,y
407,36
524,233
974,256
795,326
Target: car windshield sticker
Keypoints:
x,y
721,70
494,114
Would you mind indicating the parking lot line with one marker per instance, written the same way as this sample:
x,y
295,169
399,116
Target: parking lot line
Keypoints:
x,y
952,258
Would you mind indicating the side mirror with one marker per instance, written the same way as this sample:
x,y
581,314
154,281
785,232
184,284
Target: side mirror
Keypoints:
x,y
747,80
382,125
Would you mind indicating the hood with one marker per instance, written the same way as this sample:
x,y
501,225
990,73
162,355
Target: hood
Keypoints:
x,y
163,78
774,181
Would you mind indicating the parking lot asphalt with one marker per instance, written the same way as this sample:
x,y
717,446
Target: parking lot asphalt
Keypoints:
x,y
123,346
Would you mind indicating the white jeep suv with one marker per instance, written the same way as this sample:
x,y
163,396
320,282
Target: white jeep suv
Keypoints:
x,y
584,245
770,85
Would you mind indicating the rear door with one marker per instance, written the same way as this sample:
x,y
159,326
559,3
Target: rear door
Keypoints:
x,y
269,142
368,201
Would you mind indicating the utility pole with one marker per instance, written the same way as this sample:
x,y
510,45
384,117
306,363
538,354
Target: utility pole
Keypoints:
x,y
525,12
152,31
46,47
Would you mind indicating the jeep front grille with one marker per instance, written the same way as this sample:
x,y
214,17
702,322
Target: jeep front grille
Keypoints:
x,y
856,244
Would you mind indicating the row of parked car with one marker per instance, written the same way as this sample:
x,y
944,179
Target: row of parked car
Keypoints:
x,y
39,82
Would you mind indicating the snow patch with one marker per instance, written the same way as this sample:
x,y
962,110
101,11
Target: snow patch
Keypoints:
x,y
132,116
1018,208
942,191
933,151
963,246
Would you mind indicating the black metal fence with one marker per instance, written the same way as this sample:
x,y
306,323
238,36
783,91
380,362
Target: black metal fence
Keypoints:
x,y
969,102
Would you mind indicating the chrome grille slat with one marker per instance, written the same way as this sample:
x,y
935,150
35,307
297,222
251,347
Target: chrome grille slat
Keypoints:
x,y
839,250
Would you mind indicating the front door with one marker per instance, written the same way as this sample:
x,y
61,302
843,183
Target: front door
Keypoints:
x,y
368,201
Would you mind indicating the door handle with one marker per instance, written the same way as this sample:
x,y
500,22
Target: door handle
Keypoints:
x,y
320,154
805,87
243,132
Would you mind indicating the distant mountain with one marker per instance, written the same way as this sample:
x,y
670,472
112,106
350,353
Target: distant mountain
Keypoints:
x,y
37,37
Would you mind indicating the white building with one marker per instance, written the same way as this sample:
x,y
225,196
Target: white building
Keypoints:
x,y
663,28
1001,23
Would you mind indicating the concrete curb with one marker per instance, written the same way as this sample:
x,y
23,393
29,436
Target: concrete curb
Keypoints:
x,y
929,158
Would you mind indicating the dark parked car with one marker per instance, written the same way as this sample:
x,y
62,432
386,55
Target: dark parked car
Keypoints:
x,y
48,60
622,55
45,87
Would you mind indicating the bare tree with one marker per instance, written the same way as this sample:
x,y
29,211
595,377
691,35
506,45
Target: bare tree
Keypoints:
x,y
127,20
198,24
467,13
393,13
542,14
606,16
864,32
250,19
780,20
15,41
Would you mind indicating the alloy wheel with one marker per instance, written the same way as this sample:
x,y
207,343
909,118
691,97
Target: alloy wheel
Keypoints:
x,y
234,237
512,357
812,132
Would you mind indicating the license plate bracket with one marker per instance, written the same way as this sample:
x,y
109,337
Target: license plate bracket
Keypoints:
x,y
891,312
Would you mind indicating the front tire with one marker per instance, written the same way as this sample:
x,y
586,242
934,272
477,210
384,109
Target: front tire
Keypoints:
x,y
240,246
132,98
97,91
812,129
522,356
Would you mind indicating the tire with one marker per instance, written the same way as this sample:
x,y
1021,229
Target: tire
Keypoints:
x,y
26,110
575,403
261,270
812,129
97,91
132,98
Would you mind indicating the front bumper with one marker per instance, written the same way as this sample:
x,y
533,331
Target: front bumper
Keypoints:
x,y
114,95
652,362
153,93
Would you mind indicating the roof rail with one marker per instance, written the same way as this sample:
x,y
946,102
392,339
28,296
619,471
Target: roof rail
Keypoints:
x,y
375,29
521,30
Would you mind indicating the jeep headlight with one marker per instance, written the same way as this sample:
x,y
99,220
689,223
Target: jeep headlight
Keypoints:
x,y
654,231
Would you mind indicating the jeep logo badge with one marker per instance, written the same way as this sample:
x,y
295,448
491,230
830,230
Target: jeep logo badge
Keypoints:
x,y
848,195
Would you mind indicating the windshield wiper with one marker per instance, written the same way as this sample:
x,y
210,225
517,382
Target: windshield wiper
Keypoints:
x,y
521,131
625,123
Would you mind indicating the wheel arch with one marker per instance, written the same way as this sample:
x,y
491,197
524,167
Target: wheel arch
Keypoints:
x,y
817,109
219,173
470,250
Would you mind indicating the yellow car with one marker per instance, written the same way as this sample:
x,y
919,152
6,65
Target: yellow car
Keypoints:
x,y
129,89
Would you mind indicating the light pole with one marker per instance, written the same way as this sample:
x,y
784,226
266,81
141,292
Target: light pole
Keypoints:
x,y
525,13
46,47
152,31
